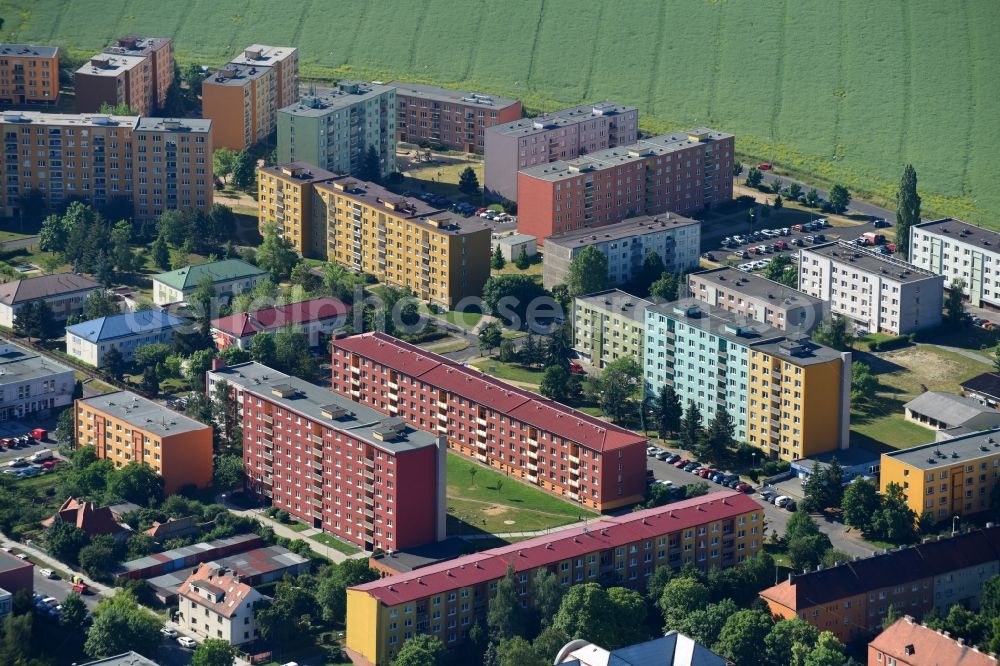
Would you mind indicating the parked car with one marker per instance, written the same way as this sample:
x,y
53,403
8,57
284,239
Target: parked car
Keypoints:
x,y
662,455
781,500
186,641
709,256
764,166
47,573
169,632
672,458
679,464
651,451
744,487
18,462
790,505
768,495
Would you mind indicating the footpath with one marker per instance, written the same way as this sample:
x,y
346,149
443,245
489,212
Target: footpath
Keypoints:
x,y
281,530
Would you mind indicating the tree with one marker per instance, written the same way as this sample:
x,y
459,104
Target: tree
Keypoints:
x,y
262,349
720,437
198,364
244,168
618,383
555,383
665,287
690,427
588,272
228,472
371,166
422,650
150,382
783,271
223,162
784,636
214,652
74,612
497,261
522,261
743,636
34,320
704,624
64,541
160,253
468,181
65,432
824,489
895,521
559,349
54,233
834,332
682,596
907,210
276,254
517,651
546,596
508,297
864,385
840,197
120,625
98,304
754,177
778,203
151,355
651,271
289,614
954,308
226,416
611,617
137,483
668,411
504,616
331,593
490,337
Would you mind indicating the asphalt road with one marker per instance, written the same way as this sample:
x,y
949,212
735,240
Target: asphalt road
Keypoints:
x,y
857,206
59,588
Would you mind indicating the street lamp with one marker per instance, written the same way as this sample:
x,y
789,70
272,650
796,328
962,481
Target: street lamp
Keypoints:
x,y
954,519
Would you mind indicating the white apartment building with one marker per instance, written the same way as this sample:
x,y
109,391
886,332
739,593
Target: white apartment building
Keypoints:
x,y
90,341
30,382
229,277
213,603
956,250
876,292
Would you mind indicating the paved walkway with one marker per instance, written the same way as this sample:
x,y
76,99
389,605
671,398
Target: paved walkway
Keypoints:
x,y
524,535
39,555
975,356
281,530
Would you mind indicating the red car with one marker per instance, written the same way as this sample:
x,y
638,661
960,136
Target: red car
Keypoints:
x,y
48,464
680,463
764,166
703,472
576,368
744,487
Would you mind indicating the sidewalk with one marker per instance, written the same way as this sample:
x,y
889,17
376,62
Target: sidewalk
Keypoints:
x,y
39,555
515,535
331,554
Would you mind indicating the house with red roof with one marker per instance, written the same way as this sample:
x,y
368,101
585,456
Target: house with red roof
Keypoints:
x,y
213,603
908,643
524,435
317,318
84,515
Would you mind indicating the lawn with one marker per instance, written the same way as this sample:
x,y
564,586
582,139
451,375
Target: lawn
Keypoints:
x,y
892,431
913,370
492,502
334,543
510,371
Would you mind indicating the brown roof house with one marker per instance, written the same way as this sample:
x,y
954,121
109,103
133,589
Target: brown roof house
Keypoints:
x,y
64,292
174,528
909,643
213,603
93,520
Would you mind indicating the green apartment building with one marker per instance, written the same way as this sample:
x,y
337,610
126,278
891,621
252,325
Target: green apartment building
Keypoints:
x,y
609,325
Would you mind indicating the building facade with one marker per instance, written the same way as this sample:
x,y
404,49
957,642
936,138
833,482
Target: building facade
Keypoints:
x,y
31,383
789,397
675,239
956,251
29,74
124,427
757,298
949,478
336,130
212,603
316,318
336,464
561,135
852,599
430,115
154,164
530,438
136,71
441,257
683,172
64,293
875,292
243,96
908,643
90,341
721,529
609,325
284,199
229,277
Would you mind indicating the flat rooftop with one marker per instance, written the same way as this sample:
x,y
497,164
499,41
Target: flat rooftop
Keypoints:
x,y
962,232
955,451
10,563
177,556
633,226
414,210
28,51
617,302
562,118
755,286
300,172
133,45
344,96
113,65
74,119
20,364
143,414
263,55
871,262
252,563
410,559
237,75
446,95
612,157
317,404
196,125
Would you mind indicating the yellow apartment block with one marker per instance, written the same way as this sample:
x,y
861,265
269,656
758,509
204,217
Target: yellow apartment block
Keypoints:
x,y
799,398
285,198
124,427
953,477
440,256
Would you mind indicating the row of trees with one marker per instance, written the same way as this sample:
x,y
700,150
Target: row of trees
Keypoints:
x,y
839,198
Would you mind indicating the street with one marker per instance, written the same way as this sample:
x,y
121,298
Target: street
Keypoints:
x,y
59,588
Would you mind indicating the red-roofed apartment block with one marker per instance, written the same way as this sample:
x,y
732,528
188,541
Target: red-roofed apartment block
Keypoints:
x,y
520,433
721,529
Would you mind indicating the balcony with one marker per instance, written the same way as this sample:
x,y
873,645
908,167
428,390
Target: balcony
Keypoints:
x,y
369,488
442,416
533,478
317,465
369,475
574,483
574,459
533,467
369,514
268,432
268,456
318,503
574,496
393,407
442,404
480,420
393,385
533,454
480,457
356,369
268,419
317,439
481,444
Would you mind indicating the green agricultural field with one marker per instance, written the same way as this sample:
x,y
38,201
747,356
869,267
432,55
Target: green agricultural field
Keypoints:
x,y
839,90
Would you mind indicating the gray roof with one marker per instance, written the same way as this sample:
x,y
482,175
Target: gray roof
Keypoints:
x,y
9,562
143,414
952,409
962,232
852,457
618,302
198,125
673,649
755,286
312,401
303,172
345,95
269,55
128,659
561,118
957,451
515,239
28,50
633,226
19,364
44,286
179,554
870,262
611,157
74,119
141,45
115,64
232,74
439,94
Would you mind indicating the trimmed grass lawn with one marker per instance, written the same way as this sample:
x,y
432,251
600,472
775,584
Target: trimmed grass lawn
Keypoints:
x,y
510,371
296,526
510,268
891,430
466,319
908,370
493,502
334,543
446,347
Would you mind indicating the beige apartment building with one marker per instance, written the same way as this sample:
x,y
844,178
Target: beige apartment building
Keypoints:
x,y
29,74
758,298
156,164
285,198
136,71
243,96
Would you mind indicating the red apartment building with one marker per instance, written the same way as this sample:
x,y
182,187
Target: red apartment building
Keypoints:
x,y
337,465
451,118
520,433
683,172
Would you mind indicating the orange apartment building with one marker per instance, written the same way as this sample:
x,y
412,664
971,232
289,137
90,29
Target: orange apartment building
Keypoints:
x,y
136,71
243,96
853,598
156,164
29,74
124,427
285,198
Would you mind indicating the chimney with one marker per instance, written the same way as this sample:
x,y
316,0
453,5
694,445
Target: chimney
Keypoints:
x,y
218,363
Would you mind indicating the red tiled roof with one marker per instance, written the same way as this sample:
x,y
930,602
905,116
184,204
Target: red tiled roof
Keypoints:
x,y
571,542
270,319
526,406
84,515
232,592
910,641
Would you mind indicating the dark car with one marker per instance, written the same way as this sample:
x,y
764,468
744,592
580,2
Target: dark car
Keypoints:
x,y
672,458
662,455
791,505
744,487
